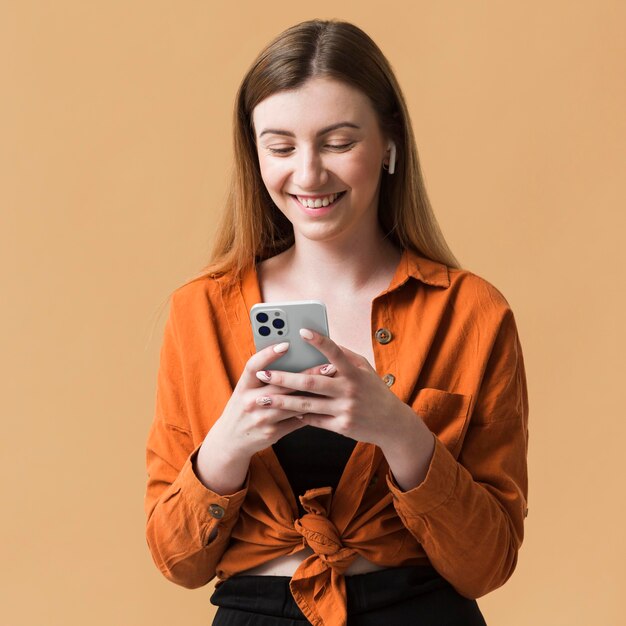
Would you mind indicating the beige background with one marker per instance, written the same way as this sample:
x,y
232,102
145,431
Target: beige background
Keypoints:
x,y
114,148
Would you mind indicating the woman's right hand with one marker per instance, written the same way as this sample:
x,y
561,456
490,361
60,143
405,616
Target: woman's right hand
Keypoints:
x,y
245,426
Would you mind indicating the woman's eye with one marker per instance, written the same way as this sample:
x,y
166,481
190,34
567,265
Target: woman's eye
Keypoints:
x,y
331,146
279,150
343,146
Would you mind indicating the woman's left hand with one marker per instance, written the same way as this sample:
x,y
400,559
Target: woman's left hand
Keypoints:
x,y
354,402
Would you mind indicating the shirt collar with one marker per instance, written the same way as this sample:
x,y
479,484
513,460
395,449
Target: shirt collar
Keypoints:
x,y
411,265
414,265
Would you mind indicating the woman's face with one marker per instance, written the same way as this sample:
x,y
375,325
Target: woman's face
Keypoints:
x,y
321,152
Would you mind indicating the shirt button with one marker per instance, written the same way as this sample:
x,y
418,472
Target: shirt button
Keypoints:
x,y
389,379
216,511
383,335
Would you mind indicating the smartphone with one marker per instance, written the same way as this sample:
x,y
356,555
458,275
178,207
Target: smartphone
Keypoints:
x,y
281,321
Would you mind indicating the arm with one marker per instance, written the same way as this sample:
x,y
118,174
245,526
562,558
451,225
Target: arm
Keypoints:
x,y
189,517
188,524
468,514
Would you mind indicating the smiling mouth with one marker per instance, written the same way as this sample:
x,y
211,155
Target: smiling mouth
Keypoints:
x,y
318,203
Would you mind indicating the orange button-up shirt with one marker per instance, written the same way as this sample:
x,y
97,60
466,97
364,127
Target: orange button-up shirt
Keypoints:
x,y
446,343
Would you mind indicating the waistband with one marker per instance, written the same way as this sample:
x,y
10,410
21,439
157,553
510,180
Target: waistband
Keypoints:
x,y
271,595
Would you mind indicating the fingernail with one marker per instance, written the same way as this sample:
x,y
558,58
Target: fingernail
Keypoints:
x,y
264,375
281,347
264,401
328,369
306,333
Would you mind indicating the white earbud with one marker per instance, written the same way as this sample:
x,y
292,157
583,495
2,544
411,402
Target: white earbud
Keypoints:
x,y
392,157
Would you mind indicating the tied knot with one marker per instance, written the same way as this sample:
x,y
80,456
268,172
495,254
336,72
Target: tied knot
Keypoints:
x,y
319,532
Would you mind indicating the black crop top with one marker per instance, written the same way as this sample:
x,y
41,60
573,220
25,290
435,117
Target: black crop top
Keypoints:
x,y
313,457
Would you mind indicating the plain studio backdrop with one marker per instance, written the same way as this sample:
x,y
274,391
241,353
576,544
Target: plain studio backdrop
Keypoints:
x,y
115,147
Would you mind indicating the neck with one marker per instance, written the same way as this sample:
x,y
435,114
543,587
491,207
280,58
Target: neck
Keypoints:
x,y
351,267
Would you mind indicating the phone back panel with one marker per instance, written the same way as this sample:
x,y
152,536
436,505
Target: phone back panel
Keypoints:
x,y
275,322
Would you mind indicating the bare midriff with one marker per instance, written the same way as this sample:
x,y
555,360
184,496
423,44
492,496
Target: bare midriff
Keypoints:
x,y
287,565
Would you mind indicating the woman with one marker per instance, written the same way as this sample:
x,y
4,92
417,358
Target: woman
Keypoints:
x,y
390,485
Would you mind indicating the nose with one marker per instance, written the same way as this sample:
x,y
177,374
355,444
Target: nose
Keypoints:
x,y
309,172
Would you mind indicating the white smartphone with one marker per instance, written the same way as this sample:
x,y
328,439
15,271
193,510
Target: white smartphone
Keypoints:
x,y
281,321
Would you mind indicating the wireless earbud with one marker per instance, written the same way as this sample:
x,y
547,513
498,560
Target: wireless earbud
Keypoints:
x,y
392,157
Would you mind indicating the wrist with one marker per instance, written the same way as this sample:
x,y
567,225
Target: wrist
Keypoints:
x,y
410,450
220,468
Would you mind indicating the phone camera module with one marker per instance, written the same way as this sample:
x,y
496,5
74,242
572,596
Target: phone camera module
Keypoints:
x,y
278,323
264,330
262,317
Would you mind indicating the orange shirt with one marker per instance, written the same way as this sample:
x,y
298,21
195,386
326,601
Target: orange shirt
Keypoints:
x,y
451,352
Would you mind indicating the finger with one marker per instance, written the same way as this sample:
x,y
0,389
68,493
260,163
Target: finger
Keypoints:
x,y
295,381
289,425
328,369
272,413
275,389
321,421
328,348
296,404
260,361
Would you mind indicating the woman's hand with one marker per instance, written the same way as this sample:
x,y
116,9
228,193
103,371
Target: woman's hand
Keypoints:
x,y
356,403
247,425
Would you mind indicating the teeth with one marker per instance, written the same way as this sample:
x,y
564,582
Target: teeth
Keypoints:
x,y
317,202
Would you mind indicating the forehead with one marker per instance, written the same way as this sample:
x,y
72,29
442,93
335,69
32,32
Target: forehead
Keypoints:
x,y
317,103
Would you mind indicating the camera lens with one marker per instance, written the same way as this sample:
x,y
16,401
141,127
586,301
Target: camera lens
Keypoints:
x,y
278,323
264,330
261,317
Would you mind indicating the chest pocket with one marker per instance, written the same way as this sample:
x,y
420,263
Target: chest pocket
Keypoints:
x,y
445,414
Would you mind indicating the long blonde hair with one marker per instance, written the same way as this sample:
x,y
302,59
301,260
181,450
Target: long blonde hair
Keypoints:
x,y
251,227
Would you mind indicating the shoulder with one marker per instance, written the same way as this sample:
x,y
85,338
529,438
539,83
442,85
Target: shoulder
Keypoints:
x,y
195,290
476,303
458,294
486,312
201,295
475,289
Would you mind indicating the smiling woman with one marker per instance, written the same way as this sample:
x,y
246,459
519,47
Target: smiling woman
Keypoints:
x,y
389,484
322,173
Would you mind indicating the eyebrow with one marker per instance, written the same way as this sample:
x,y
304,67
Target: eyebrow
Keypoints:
x,y
287,133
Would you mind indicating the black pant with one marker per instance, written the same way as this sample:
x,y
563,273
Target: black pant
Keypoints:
x,y
399,596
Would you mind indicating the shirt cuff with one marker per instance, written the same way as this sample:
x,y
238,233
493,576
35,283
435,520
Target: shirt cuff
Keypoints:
x,y
207,503
436,488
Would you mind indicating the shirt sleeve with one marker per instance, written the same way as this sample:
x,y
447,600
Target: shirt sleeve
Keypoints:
x,y
468,514
188,526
